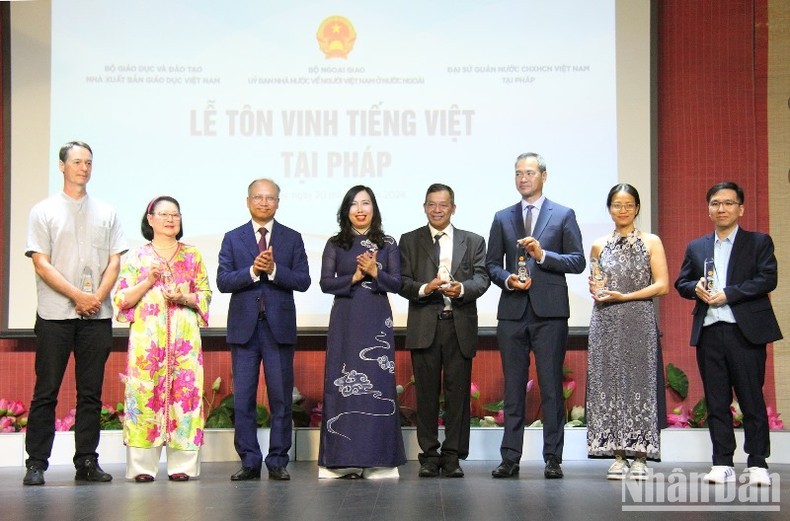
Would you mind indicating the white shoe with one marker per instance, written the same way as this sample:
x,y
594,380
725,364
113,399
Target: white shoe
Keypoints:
x,y
720,474
380,473
619,468
639,469
325,473
759,476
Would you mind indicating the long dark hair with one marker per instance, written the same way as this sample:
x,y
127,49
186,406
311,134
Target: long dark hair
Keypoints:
x,y
345,237
146,229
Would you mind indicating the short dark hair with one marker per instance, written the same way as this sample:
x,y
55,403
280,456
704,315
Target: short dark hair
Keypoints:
x,y
725,185
627,188
146,229
439,187
64,150
538,158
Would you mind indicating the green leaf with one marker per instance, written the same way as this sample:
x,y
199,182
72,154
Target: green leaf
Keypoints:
x,y
113,424
227,402
301,418
494,406
699,414
677,380
219,419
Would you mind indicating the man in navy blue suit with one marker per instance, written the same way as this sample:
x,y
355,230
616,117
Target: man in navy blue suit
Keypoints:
x,y
733,322
539,242
262,263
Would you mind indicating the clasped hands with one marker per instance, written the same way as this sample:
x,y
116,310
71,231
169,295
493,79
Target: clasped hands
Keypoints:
x,y
366,265
264,262
448,288
86,304
173,293
717,299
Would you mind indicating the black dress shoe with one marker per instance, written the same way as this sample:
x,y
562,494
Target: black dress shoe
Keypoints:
x,y
429,469
279,474
506,469
246,474
89,470
452,470
33,476
553,469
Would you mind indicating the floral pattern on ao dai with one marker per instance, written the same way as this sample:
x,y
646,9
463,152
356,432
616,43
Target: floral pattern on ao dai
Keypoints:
x,y
164,374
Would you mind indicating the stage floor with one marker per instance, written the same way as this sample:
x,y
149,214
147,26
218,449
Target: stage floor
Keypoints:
x,y
584,494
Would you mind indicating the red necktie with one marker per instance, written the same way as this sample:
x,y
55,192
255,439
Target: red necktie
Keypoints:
x,y
262,241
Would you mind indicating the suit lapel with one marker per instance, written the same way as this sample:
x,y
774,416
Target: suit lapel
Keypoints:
x,y
739,245
543,218
249,240
425,241
459,250
517,218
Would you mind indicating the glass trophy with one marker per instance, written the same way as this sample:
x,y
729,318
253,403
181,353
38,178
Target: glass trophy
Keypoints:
x,y
710,276
522,268
168,282
444,275
86,280
598,276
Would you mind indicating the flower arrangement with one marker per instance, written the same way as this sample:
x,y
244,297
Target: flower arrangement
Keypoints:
x,y
221,417
496,417
697,416
11,419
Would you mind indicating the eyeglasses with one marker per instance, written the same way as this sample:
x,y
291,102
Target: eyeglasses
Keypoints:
x,y
258,198
729,204
165,216
628,207
527,173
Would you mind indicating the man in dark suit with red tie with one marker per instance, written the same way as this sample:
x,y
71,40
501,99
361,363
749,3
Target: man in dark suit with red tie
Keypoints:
x,y
443,274
262,263
533,308
733,322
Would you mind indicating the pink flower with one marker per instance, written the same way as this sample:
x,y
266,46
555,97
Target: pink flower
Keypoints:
x,y
774,423
678,418
67,422
568,386
474,391
16,408
4,404
500,417
316,414
7,424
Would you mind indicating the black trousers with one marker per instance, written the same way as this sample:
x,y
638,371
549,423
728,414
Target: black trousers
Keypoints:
x,y
729,362
90,341
442,367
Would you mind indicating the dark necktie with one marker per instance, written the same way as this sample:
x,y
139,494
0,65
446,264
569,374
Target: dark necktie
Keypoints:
x,y
262,247
437,247
262,240
528,220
